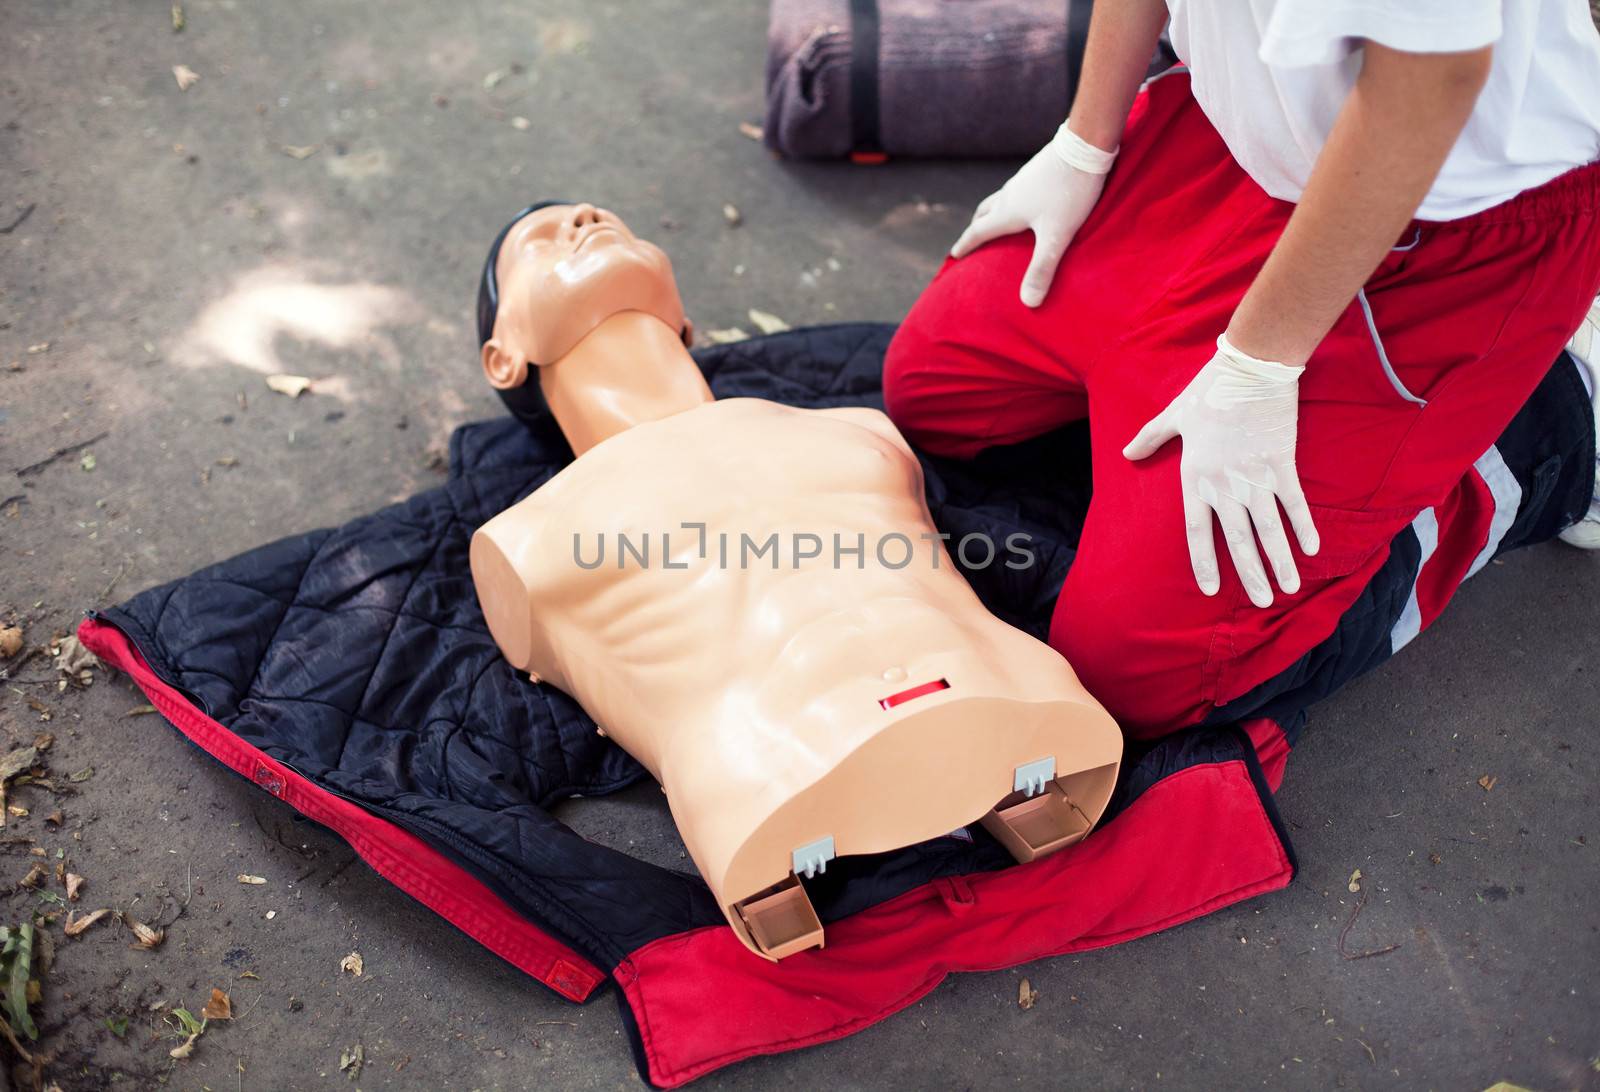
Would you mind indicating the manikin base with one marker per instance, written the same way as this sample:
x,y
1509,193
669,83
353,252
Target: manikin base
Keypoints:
x,y
1031,827
782,921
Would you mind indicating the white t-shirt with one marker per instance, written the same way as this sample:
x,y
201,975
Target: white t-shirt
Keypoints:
x,y
1272,74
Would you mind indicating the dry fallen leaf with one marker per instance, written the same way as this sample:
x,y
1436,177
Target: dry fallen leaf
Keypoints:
x,y
731,214
18,810
36,874
73,657
352,963
148,936
186,1049
1026,994
301,151
18,760
185,76
44,741
292,385
767,322
76,925
218,1008
88,460
1355,881
754,132
74,885
1486,782
725,337
178,21
351,1061
255,880
10,641
140,711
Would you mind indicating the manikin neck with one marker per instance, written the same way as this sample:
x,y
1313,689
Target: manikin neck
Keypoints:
x,y
630,369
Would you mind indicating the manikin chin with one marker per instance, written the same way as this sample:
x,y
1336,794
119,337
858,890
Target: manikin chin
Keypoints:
x,y
794,708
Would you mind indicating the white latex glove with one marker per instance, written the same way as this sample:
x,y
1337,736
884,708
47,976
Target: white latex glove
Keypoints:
x,y
1238,420
1052,194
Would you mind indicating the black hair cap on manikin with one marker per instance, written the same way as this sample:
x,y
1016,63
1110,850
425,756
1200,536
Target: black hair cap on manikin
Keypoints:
x,y
526,402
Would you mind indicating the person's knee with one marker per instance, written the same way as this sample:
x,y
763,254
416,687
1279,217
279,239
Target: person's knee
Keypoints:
x,y
928,371
900,374
1145,654
1163,694
912,384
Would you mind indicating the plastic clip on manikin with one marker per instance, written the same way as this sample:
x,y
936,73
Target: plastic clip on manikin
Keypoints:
x,y
813,857
1031,776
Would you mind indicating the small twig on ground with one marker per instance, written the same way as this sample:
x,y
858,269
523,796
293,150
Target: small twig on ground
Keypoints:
x,y
276,834
240,1018
336,873
26,657
1368,1049
17,497
11,1037
1356,913
105,592
58,453
18,222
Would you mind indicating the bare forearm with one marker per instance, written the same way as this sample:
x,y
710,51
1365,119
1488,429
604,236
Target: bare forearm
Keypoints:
x,y
1391,137
1122,36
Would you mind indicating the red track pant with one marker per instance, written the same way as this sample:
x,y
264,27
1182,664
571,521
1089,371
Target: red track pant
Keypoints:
x,y
1399,407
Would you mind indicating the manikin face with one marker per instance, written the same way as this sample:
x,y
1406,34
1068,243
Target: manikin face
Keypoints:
x,y
562,271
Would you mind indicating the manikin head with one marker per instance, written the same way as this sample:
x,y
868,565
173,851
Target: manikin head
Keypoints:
x,y
554,274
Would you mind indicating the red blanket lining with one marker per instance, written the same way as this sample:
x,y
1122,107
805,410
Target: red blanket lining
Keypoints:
x,y
1255,860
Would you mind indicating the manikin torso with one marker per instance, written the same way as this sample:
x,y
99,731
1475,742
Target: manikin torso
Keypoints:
x,y
681,580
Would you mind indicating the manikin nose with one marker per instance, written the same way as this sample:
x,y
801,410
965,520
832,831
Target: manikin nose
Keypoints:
x,y
585,214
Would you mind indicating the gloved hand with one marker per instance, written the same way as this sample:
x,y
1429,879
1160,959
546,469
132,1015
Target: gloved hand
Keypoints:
x,y
1238,419
1052,194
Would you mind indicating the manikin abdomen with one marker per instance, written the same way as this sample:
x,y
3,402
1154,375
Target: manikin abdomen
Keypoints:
x,y
794,707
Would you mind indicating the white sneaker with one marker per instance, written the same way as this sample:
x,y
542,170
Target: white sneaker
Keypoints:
x,y
1585,345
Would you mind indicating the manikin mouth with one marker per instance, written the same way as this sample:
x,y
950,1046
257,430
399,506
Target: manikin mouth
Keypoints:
x,y
591,231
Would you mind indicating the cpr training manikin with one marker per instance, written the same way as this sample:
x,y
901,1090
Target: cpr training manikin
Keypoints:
x,y
753,600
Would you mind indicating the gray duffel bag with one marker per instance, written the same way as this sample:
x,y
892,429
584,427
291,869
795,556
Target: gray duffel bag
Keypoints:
x,y
931,78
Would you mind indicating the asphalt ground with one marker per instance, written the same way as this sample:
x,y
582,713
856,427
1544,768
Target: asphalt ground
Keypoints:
x,y
317,203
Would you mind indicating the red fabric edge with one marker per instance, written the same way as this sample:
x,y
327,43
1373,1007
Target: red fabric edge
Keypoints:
x,y
1218,845
398,856
1272,748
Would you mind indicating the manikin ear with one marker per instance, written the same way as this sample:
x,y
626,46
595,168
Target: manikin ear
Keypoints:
x,y
688,332
505,371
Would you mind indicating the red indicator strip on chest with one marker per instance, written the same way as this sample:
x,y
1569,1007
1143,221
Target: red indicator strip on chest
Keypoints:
x,y
915,692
